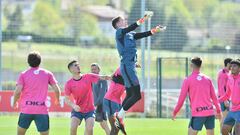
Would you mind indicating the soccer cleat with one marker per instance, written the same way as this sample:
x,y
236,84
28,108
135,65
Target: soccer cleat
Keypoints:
x,y
119,124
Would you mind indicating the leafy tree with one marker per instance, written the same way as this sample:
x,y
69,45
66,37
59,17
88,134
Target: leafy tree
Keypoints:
x,y
4,23
178,8
237,40
47,21
15,20
175,37
80,22
227,12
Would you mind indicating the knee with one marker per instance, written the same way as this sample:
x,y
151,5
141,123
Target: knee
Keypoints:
x,y
89,128
138,96
137,91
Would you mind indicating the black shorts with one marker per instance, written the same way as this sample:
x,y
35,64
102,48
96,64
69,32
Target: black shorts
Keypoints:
x,y
41,121
196,123
100,114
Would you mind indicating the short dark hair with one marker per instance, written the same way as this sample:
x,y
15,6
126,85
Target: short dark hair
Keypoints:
x,y
115,21
71,63
237,62
227,60
96,65
34,59
197,61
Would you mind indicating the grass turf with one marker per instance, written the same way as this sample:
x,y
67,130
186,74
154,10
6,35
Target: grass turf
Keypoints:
x,y
134,126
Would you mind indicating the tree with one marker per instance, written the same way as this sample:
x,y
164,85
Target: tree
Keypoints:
x,y
47,21
237,41
175,37
178,8
4,23
201,11
80,22
15,20
227,12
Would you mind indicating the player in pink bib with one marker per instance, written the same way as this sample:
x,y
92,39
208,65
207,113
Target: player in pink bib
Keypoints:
x,y
32,89
233,93
80,88
112,100
202,96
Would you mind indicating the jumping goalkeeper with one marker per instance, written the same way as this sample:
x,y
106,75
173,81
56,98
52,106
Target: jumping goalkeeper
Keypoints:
x,y
126,46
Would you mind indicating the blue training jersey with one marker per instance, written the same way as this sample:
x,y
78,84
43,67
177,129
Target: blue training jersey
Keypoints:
x,y
126,46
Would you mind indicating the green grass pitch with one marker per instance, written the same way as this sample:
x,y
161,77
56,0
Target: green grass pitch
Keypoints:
x,y
134,126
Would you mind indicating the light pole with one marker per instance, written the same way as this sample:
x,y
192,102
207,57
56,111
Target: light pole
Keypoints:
x,y
1,45
147,91
143,48
149,53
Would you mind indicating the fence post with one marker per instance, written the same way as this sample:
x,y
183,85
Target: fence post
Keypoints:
x,y
159,87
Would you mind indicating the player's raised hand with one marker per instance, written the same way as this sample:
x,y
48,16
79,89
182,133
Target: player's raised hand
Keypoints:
x,y
158,28
148,14
76,108
108,77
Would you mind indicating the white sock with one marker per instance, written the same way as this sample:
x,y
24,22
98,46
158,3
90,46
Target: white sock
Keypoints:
x,y
121,114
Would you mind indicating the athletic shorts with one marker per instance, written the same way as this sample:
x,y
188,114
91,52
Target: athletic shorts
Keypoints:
x,y
232,118
111,107
223,107
129,75
100,114
82,116
196,123
41,121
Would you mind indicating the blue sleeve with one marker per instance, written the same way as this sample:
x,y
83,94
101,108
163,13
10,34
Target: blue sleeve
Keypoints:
x,y
122,31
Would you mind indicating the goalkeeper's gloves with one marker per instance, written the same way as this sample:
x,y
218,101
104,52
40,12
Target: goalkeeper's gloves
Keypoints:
x,y
146,16
157,29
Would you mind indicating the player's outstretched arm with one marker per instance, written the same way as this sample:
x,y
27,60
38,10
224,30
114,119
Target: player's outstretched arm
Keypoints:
x,y
153,31
181,99
215,101
57,91
105,77
142,35
136,24
16,95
